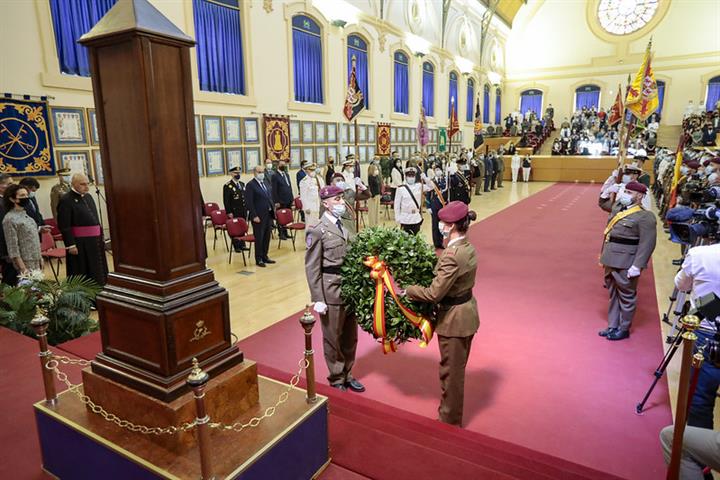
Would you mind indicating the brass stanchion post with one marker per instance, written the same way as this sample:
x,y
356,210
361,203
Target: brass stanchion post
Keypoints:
x,y
40,324
197,380
690,323
308,322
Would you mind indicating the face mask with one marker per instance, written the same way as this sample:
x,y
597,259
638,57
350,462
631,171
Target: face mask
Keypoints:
x,y
626,179
397,164
340,185
438,173
268,166
23,202
338,210
66,178
260,177
626,199
411,180
441,227
281,168
684,170
31,194
712,178
708,170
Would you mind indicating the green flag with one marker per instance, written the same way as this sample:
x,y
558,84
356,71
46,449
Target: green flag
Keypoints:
x,y
442,139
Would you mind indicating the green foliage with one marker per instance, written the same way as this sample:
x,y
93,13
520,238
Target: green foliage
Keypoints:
x,y
410,260
67,305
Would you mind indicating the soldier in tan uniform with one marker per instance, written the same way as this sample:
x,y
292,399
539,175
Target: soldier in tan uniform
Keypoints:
x,y
59,189
629,242
326,247
458,320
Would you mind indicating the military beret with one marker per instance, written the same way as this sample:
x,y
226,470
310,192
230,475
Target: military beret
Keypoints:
x,y
453,212
64,171
632,169
715,160
330,191
234,170
636,187
693,164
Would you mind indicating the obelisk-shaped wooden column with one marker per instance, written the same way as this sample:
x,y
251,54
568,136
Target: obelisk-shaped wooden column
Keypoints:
x,y
162,306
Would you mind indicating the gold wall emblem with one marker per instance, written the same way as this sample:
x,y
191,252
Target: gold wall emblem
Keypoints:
x,y
201,331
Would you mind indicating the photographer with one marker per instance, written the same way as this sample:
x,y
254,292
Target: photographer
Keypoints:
x,y
701,446
700,275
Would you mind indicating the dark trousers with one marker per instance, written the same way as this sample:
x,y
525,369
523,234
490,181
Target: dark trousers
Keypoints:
x,y
9,273
436,235
454,353
339,343
282,231
413,229
493,180
262,232
488,177
702,404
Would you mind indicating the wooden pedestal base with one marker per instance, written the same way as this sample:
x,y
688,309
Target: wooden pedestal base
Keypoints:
x,y
227,396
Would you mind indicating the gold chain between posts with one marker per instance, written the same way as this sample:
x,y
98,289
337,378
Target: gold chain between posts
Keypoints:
x,y
270,411
54,364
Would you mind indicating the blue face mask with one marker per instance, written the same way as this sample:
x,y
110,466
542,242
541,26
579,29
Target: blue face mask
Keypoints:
x,y
338,210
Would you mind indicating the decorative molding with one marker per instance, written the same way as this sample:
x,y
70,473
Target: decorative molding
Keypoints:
x,y
382,38
267,6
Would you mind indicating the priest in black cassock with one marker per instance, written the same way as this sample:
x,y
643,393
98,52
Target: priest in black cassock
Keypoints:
x,y
80,227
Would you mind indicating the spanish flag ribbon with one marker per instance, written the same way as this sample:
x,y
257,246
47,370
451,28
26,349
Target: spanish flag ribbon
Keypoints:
x,y
384,280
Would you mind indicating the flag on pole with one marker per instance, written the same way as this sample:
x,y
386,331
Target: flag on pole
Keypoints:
x,y
354,101
616,111
477,129
454,125
422,130
676,173
642,97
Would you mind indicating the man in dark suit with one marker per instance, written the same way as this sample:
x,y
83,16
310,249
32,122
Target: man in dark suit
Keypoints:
x,y
258,199
282,193
32,208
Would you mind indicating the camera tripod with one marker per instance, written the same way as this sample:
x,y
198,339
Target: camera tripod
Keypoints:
x,y
675,342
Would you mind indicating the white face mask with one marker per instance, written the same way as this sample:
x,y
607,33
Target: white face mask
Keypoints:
x,y
441,228
625,199
713,178
684,170
338,210
260,177
268,166
410,180
626,179
340,185
438,173
66,178
31,194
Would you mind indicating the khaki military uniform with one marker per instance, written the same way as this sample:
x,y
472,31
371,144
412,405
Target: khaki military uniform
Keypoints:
x,y
458,320
56,193
326,248
630,242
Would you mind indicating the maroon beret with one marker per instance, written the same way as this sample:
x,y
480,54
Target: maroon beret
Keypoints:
x,y
453,212
693,164
636,187
330,191
715,160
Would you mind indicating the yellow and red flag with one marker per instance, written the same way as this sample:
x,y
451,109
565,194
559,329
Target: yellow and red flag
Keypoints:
x,y
676,173
454,125
616,111
642,97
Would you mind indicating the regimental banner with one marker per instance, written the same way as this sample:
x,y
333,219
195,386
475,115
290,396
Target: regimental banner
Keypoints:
x,y
25,145
277,137
442,139
383,139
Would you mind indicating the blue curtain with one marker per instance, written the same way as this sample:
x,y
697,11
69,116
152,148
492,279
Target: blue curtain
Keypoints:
x,y
498,108
469,101
307,63
587,99
361,71
428,89
71,20
402,100
531,102
219,48
713,95
486,105
661,97
453,94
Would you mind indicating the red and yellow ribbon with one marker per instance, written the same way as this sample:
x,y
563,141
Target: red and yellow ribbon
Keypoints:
x,y
384,280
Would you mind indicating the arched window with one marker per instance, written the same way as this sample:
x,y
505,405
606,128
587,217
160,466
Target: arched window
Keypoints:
x,y
531,100
219,46
71,20
661,97
358,48
402,83
498,108
307,60
587,96
428,89
469,103
486,104
453,93
713,93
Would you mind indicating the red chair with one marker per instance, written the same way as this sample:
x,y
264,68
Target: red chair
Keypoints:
x,y
297,204
362,210
284,218
54,230
50,252
208,208
237,229
219,219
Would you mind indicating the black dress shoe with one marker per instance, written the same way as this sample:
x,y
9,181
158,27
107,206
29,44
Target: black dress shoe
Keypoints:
x,y
260,264
339,386
618,335
355,386
267,260
606,332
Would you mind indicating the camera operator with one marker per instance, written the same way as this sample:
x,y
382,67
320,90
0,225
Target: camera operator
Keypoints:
x,y
690,184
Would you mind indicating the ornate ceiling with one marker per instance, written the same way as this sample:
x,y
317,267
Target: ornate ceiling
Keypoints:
x,y
506,9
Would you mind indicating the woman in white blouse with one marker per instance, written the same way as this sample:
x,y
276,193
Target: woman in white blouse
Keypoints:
x,y
408,202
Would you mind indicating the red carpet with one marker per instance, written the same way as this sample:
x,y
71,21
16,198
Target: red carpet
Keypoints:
x,y
538,376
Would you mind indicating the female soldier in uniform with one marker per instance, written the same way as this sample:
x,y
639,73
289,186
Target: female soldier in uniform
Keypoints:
x,y
451,291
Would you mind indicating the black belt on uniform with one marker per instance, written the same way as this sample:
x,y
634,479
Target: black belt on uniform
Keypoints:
x,y
625,241
331,270
459,300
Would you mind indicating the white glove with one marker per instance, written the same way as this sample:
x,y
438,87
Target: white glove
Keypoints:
x,y
358,181
614,173
633,272
321,307
613,188
424,177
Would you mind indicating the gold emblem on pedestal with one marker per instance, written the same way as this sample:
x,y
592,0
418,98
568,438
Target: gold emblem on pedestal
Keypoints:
x,y
201,331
